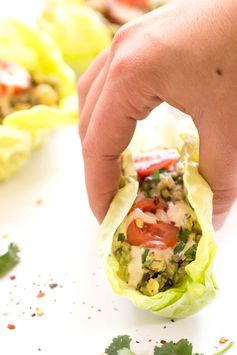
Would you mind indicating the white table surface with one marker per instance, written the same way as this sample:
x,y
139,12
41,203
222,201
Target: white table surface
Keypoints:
x,y
58,241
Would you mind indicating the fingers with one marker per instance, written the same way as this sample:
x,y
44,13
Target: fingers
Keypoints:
x,y
110,130
87,79
109,133
91,100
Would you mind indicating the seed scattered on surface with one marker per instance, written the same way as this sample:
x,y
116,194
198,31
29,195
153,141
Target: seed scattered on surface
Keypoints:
x,y
39,312
53,285
12,277
150,340
89,318
163,341
33,315
172,320
223,340
40,294
138,342
99,310
11,326
39,201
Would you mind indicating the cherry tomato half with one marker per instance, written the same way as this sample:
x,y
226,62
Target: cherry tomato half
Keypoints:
x,y
159,235
149,170
150,205
13,78
143,3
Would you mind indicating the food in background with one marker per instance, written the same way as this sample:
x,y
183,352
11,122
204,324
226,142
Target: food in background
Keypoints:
x,y
80,32
19,90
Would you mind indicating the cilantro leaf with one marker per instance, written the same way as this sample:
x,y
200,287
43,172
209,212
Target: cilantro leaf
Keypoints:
x,y
121,237
190,254
179,247
144,255
183,347
118,344
156,177
10,259
183,235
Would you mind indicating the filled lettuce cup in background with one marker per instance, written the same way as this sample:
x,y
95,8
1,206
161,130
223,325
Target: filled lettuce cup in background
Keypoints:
x,y
157,239
78,31
37,92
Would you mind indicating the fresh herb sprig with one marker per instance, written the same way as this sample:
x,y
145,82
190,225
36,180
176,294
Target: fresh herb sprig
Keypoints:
x,y
9,260
121,346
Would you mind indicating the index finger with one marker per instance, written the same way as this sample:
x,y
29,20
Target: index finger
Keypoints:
x,y
111,128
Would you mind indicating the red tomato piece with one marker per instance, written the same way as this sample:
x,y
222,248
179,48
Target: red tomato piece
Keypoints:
x,y
13,78
160,235
147,171
143,3
150,205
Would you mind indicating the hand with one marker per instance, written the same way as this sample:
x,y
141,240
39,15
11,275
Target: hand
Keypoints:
x,y
184,53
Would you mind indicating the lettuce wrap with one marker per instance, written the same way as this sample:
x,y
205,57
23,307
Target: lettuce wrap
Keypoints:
x,y
198,287
33,56
79,32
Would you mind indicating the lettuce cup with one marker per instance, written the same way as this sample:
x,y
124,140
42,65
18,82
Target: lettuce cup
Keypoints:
x,y
157,239
79,31
37,91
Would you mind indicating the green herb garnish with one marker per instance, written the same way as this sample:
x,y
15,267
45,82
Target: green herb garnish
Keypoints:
x,y
179,247
183,235
9,260
156,177
120,345
144,255
183,347
121,237
190,254
147,189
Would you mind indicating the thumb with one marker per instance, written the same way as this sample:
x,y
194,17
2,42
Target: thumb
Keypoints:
x,y
218,165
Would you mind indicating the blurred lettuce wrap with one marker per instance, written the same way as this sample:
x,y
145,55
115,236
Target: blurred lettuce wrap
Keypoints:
x,y
157,239
37,90
78,31
15,148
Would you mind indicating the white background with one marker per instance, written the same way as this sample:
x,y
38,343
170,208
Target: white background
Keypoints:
x,y
58,239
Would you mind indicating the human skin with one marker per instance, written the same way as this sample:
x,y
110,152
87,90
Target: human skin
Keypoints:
x,y
185,54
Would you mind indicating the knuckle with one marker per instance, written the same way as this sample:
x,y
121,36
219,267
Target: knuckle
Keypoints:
x,y
119,37
120,66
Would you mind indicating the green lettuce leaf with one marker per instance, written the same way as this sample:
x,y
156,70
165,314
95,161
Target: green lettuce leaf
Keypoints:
x,y
15,148
199,288
36,52
78,31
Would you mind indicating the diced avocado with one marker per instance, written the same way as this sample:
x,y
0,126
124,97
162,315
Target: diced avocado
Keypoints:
x,y
151,288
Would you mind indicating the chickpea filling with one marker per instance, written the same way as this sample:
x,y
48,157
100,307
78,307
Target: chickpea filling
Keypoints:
x,y
20,90
160,234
